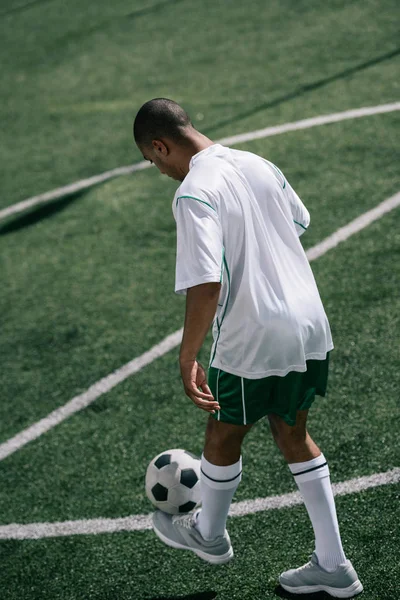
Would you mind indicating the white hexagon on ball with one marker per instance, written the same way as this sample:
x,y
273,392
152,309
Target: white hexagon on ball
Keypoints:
x,y
173,481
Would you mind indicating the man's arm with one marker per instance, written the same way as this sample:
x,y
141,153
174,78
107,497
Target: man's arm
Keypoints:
x,y
201,305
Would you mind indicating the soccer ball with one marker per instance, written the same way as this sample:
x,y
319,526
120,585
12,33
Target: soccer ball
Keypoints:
x,y
173,481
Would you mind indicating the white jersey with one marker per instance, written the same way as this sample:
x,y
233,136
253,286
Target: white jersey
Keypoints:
x,y
238,222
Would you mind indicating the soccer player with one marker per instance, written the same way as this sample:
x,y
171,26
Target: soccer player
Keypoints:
x,y
242,267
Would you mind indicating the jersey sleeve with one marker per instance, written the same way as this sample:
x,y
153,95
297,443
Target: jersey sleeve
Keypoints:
x,y
300,214
199,252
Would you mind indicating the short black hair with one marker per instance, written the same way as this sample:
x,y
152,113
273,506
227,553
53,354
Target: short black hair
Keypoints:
x,y
160,118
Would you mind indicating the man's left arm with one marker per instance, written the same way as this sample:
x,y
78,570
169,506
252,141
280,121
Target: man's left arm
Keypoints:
x,y
201,305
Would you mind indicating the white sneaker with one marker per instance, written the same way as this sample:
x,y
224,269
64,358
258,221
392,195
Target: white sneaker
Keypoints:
x,y
179,531
341,583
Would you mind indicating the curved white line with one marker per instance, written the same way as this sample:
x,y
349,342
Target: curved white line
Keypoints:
x,y
235,139
36,531
77,403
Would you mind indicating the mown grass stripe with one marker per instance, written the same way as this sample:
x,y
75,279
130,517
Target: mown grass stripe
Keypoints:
x,y
36,531
235,139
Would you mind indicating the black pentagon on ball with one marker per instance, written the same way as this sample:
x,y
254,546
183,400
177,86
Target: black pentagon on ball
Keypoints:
x,y
186,507
159,492
189,477
162,461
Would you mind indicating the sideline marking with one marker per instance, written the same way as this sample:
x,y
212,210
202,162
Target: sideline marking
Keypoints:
x,y
235,139
355,113
107,383
343,233
36,531
97,389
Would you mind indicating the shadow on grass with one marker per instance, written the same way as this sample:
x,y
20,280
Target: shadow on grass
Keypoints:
x,y
23,7
303,89
198,596
135,14
279,591
151,9
42,212
56,206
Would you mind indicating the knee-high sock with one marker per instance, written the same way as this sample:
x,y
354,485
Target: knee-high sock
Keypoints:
x,y
313,481
218,484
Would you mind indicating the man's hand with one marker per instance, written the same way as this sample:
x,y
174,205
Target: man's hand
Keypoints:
x,y
201,304
194,377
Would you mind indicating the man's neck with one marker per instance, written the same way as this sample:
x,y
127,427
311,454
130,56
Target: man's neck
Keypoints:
x,y
196,143
200,142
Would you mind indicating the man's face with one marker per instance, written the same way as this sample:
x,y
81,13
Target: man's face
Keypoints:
x,y
164,160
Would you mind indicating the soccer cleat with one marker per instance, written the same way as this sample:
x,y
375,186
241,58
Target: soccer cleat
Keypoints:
x,y
179,531
342,583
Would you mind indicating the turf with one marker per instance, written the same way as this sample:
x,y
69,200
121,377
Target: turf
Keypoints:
x,y
82,273
87,281
74,74
96,460
139,567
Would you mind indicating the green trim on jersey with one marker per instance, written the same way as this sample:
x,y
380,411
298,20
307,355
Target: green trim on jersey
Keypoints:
x,y
280,173
305,228
197,200
222,265
219,323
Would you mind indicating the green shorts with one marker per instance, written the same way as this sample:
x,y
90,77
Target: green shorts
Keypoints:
x,y
245,401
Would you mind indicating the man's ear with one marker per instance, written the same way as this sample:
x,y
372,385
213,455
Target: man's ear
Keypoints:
x,y
160,147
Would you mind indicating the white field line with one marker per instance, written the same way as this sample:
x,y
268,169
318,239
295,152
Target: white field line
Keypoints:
x,y
235,139
107,383
355,113
95,391
353,227
35,531
72,188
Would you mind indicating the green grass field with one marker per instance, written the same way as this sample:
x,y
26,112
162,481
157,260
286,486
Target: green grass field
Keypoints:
x,y
87,281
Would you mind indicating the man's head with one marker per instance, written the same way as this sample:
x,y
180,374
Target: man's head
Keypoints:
x,y
165,135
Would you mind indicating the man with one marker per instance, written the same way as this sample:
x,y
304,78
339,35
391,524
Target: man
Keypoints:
x,y
242,267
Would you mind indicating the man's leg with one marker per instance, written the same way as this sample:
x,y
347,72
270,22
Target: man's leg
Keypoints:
x,y
311,474
221,473
328,570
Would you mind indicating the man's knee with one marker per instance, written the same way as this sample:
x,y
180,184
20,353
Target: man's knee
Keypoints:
x,y
225,433
288,436
223,441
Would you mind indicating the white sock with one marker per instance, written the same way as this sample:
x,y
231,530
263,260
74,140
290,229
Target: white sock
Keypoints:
x,y
313,481
218,484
